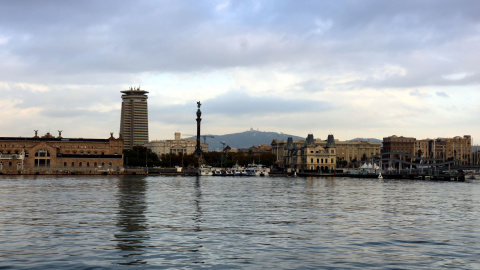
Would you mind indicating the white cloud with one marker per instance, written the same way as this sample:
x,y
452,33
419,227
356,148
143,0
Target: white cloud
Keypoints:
x,y
358,69
456,76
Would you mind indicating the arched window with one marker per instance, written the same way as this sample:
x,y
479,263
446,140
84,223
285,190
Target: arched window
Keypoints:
x,y
64,164
80,164
110,164
73,164
88,164
95,164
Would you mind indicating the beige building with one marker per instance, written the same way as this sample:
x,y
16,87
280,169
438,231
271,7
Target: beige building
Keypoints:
x,y
458,147
356,150
306,155
176,146
344,150
399,144
58,153
134,117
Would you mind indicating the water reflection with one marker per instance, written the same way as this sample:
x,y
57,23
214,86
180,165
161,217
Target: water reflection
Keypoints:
x,y
131,219
198,208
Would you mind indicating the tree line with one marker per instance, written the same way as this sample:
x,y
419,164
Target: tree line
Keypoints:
x,y
140,156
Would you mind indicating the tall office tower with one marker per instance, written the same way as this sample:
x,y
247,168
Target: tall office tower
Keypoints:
x,y
134,119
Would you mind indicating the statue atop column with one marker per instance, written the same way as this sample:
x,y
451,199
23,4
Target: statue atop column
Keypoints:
x,y
198,148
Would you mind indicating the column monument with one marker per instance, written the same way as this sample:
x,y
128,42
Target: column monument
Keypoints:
x,y
198,148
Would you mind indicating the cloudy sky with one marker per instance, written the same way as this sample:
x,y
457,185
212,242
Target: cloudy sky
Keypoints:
x,y
348,68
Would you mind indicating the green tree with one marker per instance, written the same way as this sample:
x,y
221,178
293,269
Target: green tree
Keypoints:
x,y
140,156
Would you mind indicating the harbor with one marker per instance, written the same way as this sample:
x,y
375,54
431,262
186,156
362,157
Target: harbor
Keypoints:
x,y
193,222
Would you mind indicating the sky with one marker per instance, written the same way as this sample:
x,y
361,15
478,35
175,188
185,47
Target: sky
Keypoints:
x,y
349,68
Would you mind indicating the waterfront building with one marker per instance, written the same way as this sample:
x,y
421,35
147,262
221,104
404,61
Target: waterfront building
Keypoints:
x,y
283,150
306,155
49,153
134,117
257,150
357,150
422,148
176,146
399,144
459,148
349,151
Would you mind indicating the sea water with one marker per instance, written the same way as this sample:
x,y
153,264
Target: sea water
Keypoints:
x,y
159,222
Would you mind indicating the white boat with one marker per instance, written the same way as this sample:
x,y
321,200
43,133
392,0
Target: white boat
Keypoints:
x,y
228,172
217,172
239,170
205,170
256,170
472,176
380,175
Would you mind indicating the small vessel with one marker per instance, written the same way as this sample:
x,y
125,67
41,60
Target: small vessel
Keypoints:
x,y
472,176
256,170
380,175
239,170
205,170
216,172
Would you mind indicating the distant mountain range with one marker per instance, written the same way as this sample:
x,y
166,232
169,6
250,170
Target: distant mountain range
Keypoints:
x,y
253,137
366,139
245,139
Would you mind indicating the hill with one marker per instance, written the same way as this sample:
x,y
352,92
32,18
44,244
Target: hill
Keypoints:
x,y
253,137
366,139
245,139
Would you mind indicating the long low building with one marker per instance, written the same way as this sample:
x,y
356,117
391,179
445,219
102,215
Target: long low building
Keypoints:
x,y
30,154
176,146
345,151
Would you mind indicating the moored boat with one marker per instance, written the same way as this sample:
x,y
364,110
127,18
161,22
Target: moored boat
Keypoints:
x,y
205,170
256,170
239,170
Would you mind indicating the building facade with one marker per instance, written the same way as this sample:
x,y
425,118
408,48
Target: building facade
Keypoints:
x,y
176,146
306,155
134,117
456,148
399,144
57,153
349,151
357,150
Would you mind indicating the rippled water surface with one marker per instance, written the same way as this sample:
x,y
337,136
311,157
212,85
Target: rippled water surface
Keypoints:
x,y
158,222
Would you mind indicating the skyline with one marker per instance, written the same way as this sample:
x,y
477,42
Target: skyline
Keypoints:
x,y
348,68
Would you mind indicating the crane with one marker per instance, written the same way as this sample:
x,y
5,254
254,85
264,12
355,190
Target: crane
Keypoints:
x,y
203,136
